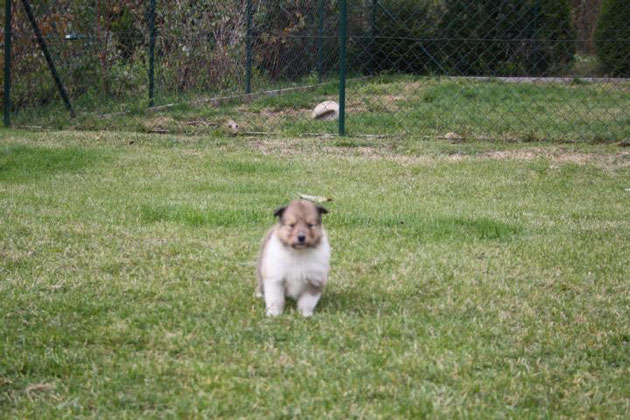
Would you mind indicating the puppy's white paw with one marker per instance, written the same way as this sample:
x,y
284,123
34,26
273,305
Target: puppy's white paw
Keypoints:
x,y
273,312
306,313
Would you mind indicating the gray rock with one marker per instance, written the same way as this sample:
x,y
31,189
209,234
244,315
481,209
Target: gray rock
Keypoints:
x,y
328,110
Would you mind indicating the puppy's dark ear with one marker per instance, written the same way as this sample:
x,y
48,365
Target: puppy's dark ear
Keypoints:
x,y
279,211
321,210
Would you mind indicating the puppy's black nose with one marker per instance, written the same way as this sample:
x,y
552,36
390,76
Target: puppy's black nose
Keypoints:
x,y
301,237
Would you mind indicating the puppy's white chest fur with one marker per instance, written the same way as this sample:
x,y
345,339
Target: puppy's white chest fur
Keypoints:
x,y
300,274
296,268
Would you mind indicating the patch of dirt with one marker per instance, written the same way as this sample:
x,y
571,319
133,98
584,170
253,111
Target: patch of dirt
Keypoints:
x,y
39,388
201,123
285,147
164,124
286,112
555,155
288,148
159,124
560,156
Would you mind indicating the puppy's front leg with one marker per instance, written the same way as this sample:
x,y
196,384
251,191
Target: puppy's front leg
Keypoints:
x,y
274,297
308,300
318,282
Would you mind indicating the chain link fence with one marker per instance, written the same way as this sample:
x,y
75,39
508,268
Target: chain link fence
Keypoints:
x,y
491,69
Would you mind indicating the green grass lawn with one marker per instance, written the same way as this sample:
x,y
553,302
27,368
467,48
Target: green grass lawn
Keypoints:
x,y
385,105
468,280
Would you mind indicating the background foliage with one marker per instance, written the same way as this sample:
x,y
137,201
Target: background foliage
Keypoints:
x,y
612,37
101,46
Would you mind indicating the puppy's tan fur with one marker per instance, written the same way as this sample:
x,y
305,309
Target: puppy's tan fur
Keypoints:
x,y
294,259
300,217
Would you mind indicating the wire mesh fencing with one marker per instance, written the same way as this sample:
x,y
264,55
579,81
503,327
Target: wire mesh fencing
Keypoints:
x,y
508,69
495,69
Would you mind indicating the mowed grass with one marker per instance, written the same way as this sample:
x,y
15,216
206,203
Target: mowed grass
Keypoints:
x,y
468,280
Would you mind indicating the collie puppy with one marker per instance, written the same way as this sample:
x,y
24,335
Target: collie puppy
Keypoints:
x,y
295,259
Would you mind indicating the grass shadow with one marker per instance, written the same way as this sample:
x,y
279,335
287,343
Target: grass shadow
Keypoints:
x,y
193,216
20,163
433,229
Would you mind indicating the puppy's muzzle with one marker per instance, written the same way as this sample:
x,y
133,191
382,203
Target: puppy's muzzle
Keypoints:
x,y
300,241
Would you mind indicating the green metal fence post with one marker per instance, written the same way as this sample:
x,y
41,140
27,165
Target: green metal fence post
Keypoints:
x,y
320,41
343,34
373,17
51,65
7,63
152,36
371,64
534,63
248,46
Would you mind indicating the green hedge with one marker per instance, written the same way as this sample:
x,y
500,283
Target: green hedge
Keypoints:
x,y
612,37
397,37
506,38
455,37
461,37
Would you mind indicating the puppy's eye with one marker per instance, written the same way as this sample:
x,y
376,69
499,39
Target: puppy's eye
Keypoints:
x,y
311,226
291,225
